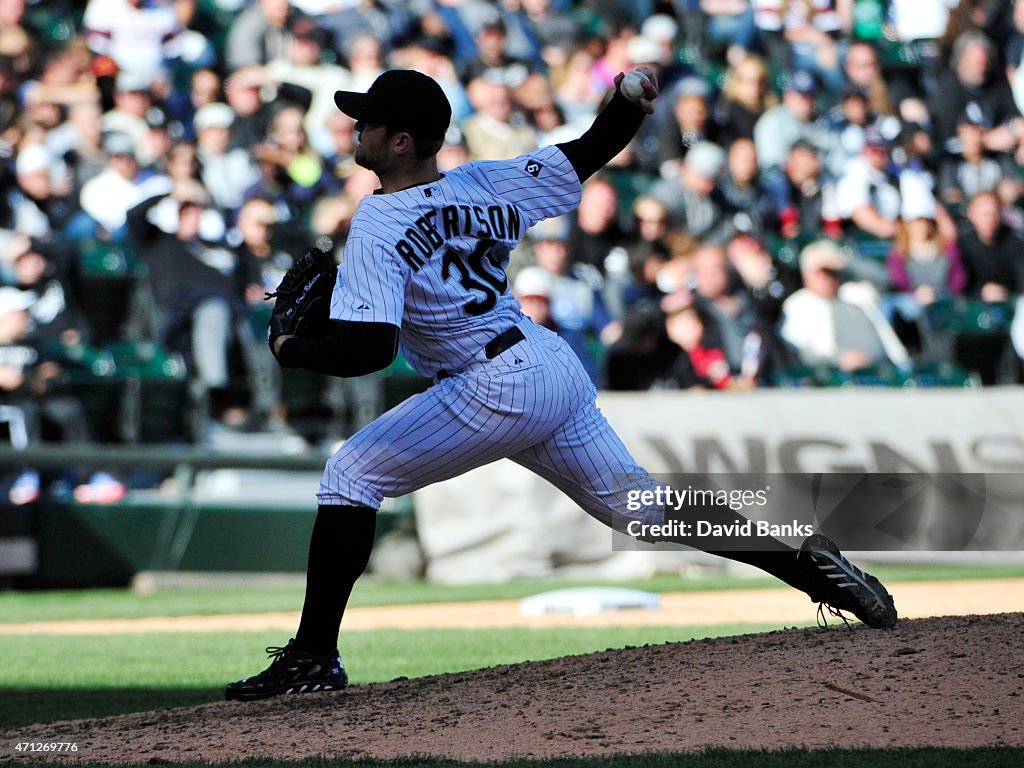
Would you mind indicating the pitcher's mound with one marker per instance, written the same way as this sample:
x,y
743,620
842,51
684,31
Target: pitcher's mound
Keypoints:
x,y
954,682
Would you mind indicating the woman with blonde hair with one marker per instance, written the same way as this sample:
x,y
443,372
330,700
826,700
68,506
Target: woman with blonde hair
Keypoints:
x,y
745,97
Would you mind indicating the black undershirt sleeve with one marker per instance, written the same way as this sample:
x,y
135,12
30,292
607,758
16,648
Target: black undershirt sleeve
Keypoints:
x,y
351,349
612,130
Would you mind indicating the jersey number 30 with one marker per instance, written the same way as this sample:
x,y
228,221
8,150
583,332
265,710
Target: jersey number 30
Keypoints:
x,y
474,276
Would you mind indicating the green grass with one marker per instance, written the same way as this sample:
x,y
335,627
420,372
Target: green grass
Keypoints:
x,y
929,757
119,603
86,676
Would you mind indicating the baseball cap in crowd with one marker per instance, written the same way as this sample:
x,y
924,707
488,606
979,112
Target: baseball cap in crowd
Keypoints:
x,y
802,81
129,82
705,158
401,99
806,145
32,159
660,27
556,229
691,86
304,28
974,114
494,24
532,282
15,300
118,143
643,50
822,254
873,137
215,115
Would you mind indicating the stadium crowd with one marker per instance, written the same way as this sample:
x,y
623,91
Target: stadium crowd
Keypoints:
x,y
829,192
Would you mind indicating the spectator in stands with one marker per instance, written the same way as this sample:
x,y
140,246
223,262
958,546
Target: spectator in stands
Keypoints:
x,y
673,135
974,77
387,23
700,363
845,124
729,316
194,281
226,173
365,61
35,205
255,97
694,201
868,196
181,106
132,101
261,264
81,145
804,35
304,66
595,233
864,74
973,169
835,323
742,189
745,97
576,293
576,90
765,285
730,22
555,32
532,288
497,131
778,128
27,383
141,37
492,61
182,162
923,265
991,251
640,282
44,271
106,198
292,172
630,271
804,196
258,35
920,19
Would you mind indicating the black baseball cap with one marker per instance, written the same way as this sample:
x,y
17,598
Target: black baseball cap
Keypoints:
x,y
401,99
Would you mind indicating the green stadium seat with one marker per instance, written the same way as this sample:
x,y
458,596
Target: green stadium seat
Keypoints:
x,y
107,275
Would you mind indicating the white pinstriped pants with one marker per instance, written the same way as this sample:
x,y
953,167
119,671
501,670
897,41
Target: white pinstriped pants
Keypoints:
x,y
533,404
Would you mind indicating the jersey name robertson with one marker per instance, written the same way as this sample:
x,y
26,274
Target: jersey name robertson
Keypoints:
x,y
432,229
431,259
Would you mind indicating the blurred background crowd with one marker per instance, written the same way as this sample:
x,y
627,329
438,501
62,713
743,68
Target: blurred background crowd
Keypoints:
x,y
828,194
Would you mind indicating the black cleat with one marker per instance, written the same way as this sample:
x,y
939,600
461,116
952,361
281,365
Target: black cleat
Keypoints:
x,y
292,671
838,583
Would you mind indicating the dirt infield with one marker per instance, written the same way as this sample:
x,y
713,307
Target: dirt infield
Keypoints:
x,y
915,600
955,681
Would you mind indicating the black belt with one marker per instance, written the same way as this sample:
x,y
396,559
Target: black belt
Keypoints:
x,y
495,346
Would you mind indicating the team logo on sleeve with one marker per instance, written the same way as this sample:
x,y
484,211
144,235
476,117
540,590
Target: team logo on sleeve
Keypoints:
x,y
533,168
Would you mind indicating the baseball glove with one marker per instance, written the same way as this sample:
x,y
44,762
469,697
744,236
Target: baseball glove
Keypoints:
x,y
304,296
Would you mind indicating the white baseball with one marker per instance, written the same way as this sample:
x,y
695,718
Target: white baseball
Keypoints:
x,y
632,86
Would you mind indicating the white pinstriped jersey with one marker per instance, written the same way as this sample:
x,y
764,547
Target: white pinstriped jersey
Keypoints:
x,y
431,259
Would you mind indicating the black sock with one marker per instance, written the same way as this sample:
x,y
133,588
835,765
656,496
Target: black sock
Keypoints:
x,y
780,563
772,556
338,553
